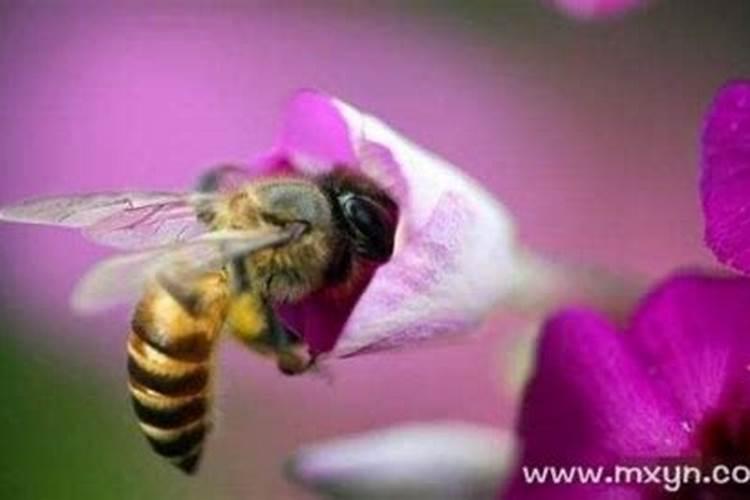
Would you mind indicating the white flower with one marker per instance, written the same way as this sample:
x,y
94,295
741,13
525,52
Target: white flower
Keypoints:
x,y
438,461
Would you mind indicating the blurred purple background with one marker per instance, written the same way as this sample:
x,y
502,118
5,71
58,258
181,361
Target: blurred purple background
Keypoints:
x,y
588,132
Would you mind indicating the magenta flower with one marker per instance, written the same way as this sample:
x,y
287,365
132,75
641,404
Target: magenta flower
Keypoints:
x,y
596,9
726,175
673,386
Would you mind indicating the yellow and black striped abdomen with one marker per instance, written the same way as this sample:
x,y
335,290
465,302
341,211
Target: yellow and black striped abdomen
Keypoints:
x,y
169,365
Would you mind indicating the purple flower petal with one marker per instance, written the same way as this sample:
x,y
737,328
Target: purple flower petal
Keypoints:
x,y
312,128
726,175
596,9
451,234
591,398
692,335
601,396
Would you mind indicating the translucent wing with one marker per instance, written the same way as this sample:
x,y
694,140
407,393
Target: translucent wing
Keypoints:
x,y
123,277
149,226
127,220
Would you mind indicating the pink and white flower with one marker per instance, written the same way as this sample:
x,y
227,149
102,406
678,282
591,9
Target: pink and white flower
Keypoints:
x,y
455,253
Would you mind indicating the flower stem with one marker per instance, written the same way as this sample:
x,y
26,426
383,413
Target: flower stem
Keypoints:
x,y
544,284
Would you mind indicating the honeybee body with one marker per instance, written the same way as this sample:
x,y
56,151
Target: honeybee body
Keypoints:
x,y
214,260
175,326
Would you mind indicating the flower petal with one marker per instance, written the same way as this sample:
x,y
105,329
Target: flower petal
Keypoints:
x,y
454,255
596,9
589,403
591,399
726,175
437,461
692,335
313,128
600,396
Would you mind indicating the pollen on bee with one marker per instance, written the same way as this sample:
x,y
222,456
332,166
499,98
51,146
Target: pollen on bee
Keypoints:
x,y
245,316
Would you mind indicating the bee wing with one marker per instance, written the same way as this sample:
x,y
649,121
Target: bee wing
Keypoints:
x,y
126,220
122,278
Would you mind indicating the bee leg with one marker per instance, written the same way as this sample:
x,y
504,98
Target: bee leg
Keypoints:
x,y
253,320
285,342
267,335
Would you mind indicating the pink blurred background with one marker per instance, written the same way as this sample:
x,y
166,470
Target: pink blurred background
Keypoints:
x,y
588,133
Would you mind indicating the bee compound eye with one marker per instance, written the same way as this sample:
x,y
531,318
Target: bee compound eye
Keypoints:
x,y
372,226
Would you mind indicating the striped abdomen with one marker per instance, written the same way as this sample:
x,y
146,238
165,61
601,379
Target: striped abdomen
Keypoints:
x,y
169,364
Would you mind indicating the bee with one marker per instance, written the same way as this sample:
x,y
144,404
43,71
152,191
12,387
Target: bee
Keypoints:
x,y
221,258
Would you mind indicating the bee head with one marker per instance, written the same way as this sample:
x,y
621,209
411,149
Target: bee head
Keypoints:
x,y
367,214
